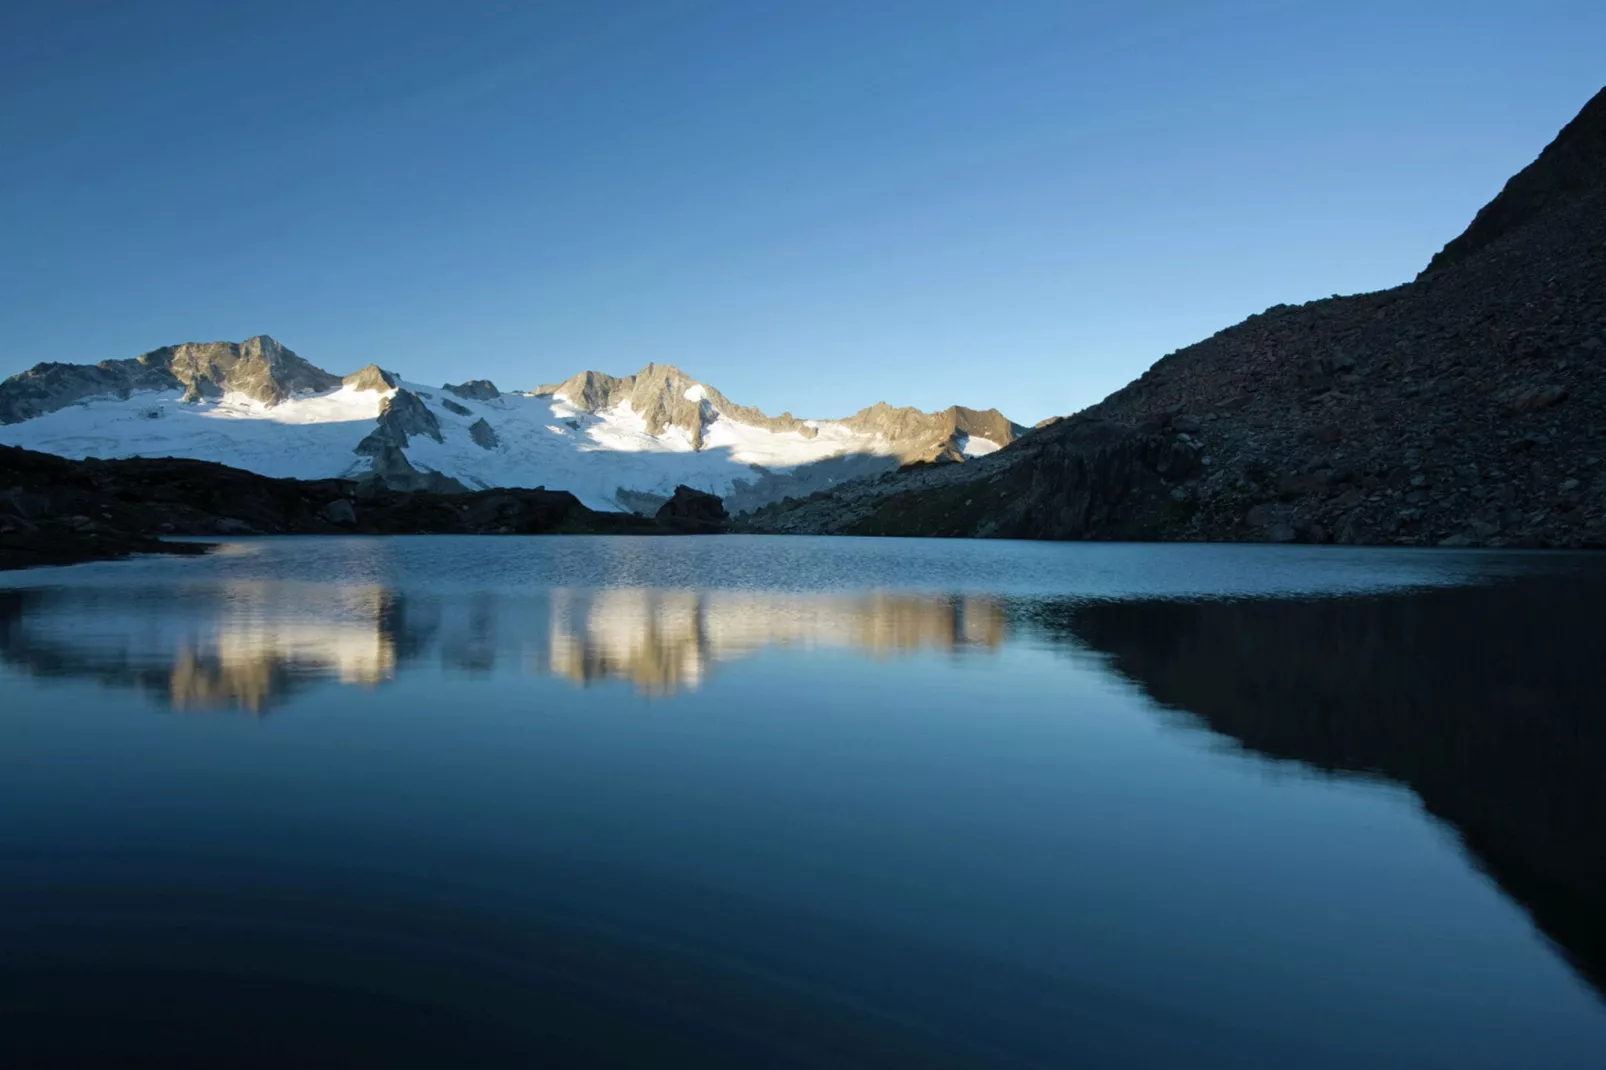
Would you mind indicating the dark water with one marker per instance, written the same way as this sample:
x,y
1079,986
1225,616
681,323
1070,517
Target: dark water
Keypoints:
x,y
792,802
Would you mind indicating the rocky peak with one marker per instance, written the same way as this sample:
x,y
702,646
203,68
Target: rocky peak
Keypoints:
x,y
661,394
1572,166
474,390
664,396
928,436
372,377
259,368
653,386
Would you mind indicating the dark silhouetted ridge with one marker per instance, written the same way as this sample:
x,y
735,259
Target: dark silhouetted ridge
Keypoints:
x,y
1572,166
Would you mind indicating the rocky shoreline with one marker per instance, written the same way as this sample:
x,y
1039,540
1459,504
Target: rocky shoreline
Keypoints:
x,y
55,511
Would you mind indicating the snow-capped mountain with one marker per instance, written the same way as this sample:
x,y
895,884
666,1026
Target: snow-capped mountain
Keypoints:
x,y
616,443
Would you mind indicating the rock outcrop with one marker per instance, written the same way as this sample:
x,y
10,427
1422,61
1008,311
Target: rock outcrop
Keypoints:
x,y
474,390
483,434
1466,408
372,377
402,416
693,506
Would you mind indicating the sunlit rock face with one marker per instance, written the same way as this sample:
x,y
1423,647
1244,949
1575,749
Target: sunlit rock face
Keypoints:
x,y
259,369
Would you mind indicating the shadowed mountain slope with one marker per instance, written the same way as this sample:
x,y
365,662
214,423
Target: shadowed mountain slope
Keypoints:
x,y
1465,408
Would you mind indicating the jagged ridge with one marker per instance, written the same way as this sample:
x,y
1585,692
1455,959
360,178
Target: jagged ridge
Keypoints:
x,y
259,368
413,436
666,397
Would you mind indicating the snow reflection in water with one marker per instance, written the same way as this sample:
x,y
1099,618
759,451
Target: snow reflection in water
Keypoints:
x,y
250,644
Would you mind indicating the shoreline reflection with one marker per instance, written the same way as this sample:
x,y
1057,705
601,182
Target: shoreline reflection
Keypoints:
x,y
253,645
1482,700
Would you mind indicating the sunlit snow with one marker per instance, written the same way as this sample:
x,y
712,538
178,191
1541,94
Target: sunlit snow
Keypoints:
x,y
976,446
541,441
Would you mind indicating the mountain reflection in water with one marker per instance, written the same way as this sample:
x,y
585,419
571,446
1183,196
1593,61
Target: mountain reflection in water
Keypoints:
x,y
1488,702
665,640
253,645
1484,700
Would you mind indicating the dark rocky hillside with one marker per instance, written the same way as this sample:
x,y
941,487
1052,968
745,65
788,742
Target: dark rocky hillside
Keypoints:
x,y
56,511
1467,407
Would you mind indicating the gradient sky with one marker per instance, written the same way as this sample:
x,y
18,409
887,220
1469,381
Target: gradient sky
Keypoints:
x,y
813,205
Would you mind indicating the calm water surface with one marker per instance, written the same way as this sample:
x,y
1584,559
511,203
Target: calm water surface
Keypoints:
x,y
796,802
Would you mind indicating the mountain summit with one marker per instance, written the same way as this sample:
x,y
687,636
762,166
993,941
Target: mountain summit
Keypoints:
x,y
259,369
666,397
617,442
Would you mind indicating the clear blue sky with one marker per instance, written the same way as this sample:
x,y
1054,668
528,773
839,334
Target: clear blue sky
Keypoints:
x,y
812,205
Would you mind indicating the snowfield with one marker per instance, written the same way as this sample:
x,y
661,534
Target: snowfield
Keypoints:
x,y
307,438
546,441
542,440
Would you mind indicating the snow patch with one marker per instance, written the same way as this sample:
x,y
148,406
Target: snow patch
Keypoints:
x,y
976,446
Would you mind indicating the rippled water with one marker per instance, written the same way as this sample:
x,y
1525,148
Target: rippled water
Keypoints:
x,y
804,802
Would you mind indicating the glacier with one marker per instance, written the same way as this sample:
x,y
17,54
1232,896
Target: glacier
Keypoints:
x,y
617,444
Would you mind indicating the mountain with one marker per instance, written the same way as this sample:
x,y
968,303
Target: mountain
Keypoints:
x,y
250,658
621,444
1467,407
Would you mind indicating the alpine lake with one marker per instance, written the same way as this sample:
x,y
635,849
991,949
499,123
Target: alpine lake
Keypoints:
x,y
804,802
